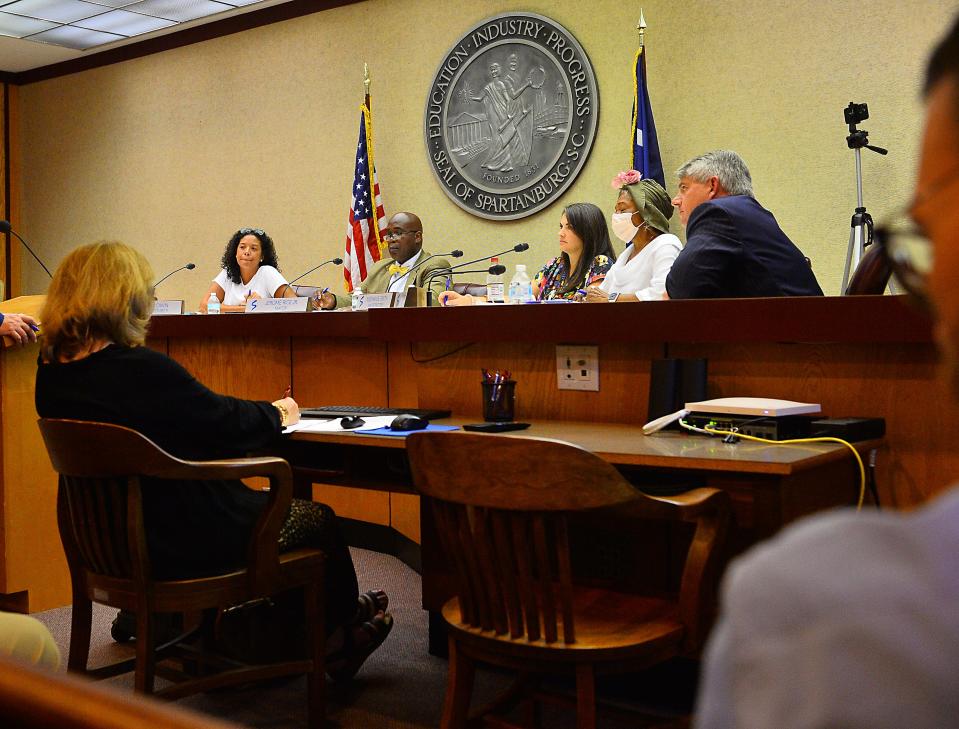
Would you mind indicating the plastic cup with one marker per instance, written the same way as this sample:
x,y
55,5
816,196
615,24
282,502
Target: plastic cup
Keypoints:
x,y
499,401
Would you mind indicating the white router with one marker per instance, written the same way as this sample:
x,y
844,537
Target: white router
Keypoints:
x,y
754,406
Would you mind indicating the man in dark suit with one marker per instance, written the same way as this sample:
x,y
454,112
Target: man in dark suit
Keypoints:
x,y
734,246
404,240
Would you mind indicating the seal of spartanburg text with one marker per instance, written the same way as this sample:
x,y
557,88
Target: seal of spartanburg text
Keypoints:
x,y
511,115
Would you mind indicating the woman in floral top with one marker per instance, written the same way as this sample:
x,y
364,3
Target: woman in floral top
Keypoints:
x,y
585,251
585,255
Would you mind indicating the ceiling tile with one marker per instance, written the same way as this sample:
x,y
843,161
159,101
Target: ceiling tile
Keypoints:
x,y
113,3
59,11
17,26
77,38
123,23
179,10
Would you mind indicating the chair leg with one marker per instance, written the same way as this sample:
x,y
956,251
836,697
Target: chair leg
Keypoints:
x,y
80,622
459,688
145,670
316,635
585,697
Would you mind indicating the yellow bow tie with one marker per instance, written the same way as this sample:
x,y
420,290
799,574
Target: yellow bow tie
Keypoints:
x,y
397,270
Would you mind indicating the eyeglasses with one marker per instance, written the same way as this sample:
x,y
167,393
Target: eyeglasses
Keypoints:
x,y
908,251
398,233
247,231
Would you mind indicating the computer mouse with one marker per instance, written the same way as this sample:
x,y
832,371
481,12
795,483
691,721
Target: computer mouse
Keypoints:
x,y
407,421
351,421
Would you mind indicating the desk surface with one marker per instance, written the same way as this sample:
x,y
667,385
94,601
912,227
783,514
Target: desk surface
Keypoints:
x,y
626,445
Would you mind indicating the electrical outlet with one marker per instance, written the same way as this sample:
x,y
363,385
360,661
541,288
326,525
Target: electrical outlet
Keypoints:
x,y
577,367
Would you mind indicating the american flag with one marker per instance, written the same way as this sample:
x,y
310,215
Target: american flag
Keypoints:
x,y
367,218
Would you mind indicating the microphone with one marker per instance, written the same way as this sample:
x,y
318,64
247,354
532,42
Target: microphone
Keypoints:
x,y
335,261
188,267
5,227
518,248
497,269
451,254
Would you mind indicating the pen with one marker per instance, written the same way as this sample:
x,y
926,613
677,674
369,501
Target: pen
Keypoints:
x,y
35,328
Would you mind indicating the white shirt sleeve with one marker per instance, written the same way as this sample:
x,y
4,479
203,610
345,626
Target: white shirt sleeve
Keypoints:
x,y
663,258
267,281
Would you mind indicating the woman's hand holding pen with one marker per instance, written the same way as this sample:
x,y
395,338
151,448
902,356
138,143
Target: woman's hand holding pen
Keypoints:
x,y
20,328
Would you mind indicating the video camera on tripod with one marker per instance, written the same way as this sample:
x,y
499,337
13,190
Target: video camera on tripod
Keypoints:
x,y
860,235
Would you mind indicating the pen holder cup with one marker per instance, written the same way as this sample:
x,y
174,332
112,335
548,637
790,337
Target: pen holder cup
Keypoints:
x,y
499,401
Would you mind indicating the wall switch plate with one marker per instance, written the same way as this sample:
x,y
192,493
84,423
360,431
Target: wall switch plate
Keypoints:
x,y
577,367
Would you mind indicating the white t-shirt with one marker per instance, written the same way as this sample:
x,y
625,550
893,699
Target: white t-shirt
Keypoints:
x,y
645,275
843,620
265,282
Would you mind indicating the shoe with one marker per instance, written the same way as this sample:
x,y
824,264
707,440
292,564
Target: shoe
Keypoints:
x,y
370,603
343,664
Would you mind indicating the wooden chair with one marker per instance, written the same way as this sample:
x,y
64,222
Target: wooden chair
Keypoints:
x,y
100,516
872,274
501,506
31,698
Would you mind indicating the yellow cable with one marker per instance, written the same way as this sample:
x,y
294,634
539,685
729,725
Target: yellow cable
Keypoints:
x,y
823,439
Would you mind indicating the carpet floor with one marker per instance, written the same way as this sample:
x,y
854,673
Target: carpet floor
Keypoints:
x,y
401,686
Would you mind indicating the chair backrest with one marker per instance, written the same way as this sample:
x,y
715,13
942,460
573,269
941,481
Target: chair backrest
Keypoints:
x,y
872,274
501,506
469,287
99,506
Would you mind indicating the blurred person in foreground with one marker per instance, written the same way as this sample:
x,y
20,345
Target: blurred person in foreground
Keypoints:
x,y
94,367
852,619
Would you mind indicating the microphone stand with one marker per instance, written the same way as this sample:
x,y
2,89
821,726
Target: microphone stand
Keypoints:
x,y
336,261
188,267
5,227
518,248
450,272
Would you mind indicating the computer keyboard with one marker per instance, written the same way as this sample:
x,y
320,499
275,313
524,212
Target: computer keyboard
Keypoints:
x,y
339,411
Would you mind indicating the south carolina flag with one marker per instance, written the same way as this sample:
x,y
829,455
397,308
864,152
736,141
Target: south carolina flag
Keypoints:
x,y
646,157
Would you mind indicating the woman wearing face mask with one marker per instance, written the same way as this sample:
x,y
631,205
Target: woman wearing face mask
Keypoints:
x,y
641,219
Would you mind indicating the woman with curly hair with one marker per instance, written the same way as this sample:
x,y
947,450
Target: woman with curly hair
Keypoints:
x,y
250,271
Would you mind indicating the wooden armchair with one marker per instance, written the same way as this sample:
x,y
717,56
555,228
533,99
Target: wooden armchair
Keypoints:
x,y
32,698
100,516
501,506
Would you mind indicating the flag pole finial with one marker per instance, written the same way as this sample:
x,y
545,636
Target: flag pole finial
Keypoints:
x,y
641,27
366,78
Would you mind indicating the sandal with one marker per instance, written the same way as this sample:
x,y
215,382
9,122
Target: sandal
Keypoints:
x,y
344,663
371,603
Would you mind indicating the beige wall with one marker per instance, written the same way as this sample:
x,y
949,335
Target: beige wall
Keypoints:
x,y
174,151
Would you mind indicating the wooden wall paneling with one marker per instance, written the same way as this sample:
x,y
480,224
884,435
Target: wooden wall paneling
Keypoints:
x,y
14,285
343,372
33,558
4,186
899,382
453,381
251,368
405,515
339,372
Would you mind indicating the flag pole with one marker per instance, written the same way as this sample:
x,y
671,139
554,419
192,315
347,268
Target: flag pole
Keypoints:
x,y
366,84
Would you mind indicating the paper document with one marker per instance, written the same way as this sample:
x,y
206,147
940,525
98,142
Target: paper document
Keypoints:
x,y
312,425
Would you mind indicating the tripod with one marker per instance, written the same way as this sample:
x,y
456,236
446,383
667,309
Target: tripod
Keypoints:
x,y
860,234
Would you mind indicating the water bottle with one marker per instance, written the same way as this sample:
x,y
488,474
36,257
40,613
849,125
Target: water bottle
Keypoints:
x,y
213,305
520,286
494,285
356,302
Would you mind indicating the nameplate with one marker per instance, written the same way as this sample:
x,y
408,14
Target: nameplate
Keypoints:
x,y
375,301
165,307
277,306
